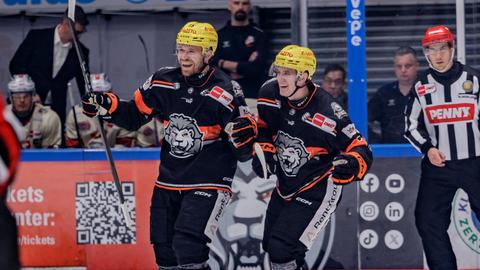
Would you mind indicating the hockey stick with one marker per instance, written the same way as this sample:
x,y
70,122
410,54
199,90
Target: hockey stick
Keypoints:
x,y
147,63
261,158
88,88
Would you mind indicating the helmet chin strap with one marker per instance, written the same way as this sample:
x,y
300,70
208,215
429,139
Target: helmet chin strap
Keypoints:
x,y
297,87
446,68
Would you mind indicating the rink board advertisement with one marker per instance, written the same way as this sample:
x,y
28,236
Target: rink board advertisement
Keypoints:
x,y
68,215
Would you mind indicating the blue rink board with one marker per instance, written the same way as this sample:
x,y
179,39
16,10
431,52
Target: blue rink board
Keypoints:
x,y
379,151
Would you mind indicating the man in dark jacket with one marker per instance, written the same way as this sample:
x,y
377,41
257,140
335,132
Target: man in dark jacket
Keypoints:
x,y
49,57
242,49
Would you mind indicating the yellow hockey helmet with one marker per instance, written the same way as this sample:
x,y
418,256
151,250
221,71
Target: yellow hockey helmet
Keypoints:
x,y
296,57
198,34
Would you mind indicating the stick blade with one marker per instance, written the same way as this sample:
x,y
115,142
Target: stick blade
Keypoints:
x,y
261,158
128,221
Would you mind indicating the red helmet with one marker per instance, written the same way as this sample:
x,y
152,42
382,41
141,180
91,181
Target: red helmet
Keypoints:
x,y
436,34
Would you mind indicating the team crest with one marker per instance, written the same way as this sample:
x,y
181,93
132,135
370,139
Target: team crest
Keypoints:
x,y
249,41
338,110
291,153
237,89
467,86
184,136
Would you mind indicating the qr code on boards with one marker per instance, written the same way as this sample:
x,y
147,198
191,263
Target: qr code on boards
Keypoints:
x,y
99,216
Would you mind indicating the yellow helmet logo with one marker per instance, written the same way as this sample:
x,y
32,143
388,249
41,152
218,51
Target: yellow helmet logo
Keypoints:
x,y
198,34
298,58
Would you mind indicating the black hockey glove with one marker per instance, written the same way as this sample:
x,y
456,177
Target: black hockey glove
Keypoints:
x,y
101,104
242,131
345,169
269,153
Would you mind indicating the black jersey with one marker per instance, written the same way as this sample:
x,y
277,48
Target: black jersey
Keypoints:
x,y
307,136
196,152
388,106
443,112
237,43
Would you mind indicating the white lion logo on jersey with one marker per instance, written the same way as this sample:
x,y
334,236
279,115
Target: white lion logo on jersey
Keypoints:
x,y
291,153
184,136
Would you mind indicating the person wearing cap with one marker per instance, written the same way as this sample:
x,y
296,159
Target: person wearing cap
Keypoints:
x,y
442,123
82,131
49,57
196,102
312,147
41,124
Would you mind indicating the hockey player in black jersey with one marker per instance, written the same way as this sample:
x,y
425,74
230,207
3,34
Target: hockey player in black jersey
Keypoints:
x,y
442,122
303,133
198,159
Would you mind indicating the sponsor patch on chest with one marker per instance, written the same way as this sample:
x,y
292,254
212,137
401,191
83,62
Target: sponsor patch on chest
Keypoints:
x,y
320,121
221,96
450,113
424,89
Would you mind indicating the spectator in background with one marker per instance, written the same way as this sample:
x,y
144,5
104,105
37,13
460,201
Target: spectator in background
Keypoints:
x,y
388,104
333,82
10,131
49,57
242,50
41,124
151,134
82,131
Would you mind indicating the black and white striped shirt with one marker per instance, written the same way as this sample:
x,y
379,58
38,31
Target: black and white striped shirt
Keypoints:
x,y
443,112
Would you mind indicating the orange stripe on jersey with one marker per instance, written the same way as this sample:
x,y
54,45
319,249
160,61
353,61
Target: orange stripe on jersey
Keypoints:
x,y
309,186
267,147
114,100
190,188
312,184
355,143
266,100
211,132
316,151
142,107
342,181
163,82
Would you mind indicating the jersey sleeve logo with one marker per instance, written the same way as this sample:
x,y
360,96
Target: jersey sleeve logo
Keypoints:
x,y
291,153
184,136
338,110
424,89
350,130
450,113
147,84
321,121
221,96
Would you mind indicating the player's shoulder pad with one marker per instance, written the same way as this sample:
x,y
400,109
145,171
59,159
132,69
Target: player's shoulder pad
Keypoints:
x,y
269,88
269,94
165,77
326,104
221,89
471,70
45,112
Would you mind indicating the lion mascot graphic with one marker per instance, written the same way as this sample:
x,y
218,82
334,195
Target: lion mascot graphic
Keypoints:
x,y
184,136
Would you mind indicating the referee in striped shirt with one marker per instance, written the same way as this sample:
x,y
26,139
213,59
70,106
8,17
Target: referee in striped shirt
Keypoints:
x,y
442,121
